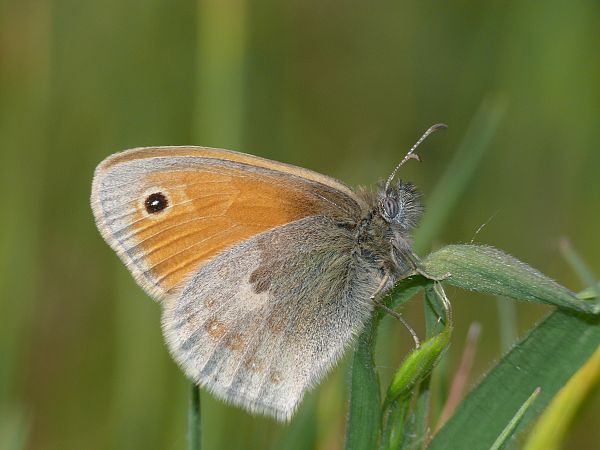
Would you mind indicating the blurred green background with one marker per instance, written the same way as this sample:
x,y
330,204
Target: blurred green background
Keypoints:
x,y
344,88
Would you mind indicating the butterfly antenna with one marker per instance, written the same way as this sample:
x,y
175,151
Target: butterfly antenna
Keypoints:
x,y
411,153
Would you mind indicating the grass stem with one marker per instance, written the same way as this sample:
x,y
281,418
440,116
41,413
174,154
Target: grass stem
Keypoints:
x,y
194,419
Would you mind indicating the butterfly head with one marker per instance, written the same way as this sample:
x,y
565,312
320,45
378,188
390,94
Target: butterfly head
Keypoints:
x,y
400,205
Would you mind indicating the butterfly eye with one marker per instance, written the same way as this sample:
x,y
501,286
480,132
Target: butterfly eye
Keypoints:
x,y
390,207
156,202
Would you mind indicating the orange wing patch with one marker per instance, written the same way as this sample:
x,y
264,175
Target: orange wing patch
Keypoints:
x,y
207,216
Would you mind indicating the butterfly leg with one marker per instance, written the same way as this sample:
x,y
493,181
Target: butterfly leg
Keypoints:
x,y
393,313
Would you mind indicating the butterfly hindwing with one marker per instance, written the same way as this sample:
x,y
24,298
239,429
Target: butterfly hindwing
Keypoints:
x,y
264,321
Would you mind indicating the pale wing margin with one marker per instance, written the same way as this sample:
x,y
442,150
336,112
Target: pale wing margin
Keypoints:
x,y
264,321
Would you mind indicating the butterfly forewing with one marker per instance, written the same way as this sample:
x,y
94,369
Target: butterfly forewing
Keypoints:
x,y
169,210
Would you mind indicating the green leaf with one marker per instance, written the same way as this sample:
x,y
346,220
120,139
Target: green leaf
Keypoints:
x,y
547,357
491,271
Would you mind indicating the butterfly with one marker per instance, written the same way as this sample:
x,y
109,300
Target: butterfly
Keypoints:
x,y
264,271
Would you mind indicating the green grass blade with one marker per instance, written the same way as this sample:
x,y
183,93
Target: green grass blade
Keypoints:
x,y
194,419
362,428
441,203
491,271
510,428
547,357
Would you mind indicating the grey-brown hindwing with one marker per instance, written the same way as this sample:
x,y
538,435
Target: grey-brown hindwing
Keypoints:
x,y
265,320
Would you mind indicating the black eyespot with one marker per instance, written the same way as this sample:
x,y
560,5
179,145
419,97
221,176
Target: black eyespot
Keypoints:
x,y
390,207
156,203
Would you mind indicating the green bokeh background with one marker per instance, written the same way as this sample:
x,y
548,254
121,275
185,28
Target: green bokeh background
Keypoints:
x,y
344,88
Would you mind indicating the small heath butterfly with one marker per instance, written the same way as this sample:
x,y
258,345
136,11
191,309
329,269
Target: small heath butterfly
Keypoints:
x,y
264,271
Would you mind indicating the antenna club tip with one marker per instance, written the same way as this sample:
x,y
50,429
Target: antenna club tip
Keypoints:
x,y
438,126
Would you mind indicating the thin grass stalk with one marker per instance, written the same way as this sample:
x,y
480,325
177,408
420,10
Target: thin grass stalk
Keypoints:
x,y
507,321
194,419
506,434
